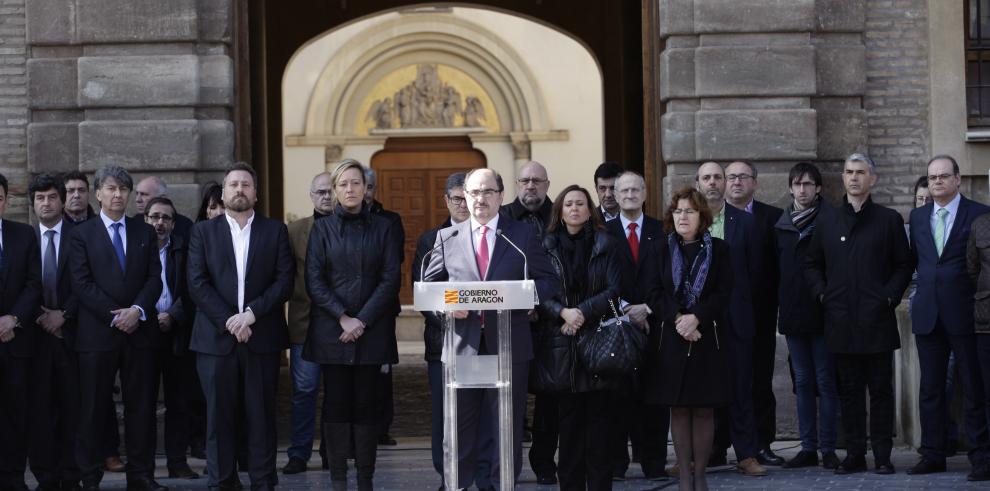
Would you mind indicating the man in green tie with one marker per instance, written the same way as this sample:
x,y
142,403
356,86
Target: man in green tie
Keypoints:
x,y
942,319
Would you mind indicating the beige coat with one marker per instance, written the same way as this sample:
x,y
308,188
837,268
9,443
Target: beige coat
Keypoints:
x,y
299,303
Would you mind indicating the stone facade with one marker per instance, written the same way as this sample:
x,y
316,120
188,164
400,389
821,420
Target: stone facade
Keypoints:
x,y
13,104
144,84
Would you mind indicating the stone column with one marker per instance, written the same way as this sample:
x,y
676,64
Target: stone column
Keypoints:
x,y
772,82
144,84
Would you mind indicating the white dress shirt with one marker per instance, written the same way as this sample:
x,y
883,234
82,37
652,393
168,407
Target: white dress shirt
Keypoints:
x,y
241,237
489,236
625,225
44,241
953,208
165,300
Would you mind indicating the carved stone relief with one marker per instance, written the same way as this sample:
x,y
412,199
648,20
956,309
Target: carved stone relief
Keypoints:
x,y
426,102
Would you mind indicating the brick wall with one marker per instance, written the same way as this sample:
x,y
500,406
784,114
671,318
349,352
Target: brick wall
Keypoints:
x,y
13,105
897,96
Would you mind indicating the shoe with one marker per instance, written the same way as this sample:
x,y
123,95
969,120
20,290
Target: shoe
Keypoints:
x,y
674,471
527,436
767,457
926,466
830,460
114,464
147,484
387,439
717,460
618,476
885,468
662,475
804,458
70,486
546,479
49,487
91,487
851,465
18,487
750,467
295,466
181,471
981,473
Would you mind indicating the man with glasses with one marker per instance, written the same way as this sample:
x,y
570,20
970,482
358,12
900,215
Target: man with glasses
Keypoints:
x,y
305,375
154,187
942,319
857,266
742,183
531,204
178,365
480,251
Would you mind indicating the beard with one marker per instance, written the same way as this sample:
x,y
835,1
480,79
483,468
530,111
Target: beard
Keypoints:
x,y
239,203
532,202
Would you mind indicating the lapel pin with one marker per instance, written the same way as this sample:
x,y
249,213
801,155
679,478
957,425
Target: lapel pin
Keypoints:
x,y
843,238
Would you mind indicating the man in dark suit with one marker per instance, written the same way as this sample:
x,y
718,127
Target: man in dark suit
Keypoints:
x,y
178,367
241,273
153,187
605,174
77,209
116,275
55,387
741,178
641,258
481,252
20,294
737,423
942,318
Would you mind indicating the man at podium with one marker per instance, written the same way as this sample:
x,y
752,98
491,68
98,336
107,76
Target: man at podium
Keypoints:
x,y
489,247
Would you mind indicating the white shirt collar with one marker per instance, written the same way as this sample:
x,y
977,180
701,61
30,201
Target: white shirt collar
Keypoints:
x,y
107,221
625,222
952,206
57,228
492,225
236,226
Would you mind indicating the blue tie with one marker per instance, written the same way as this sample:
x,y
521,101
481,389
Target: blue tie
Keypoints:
x,y
118,244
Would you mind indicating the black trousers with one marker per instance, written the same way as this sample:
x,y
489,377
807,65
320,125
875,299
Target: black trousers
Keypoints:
x,y
736,424
857,373
54,414
355,394
646,426
138,379
13,417
180,384
545,435
764,402
584,424
388,401
248,381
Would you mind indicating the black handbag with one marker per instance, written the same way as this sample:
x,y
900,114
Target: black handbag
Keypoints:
x,y
614,348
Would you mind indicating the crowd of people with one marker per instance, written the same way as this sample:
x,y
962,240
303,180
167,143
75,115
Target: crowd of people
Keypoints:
x,y
92,297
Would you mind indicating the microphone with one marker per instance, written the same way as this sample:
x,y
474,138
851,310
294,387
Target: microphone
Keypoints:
x,y
513,244
422,265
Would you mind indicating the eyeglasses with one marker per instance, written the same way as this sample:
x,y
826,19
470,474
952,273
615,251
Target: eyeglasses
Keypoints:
x,y
738,177
322,192
163,218
535,180
477,193
686,211
939,177
456,200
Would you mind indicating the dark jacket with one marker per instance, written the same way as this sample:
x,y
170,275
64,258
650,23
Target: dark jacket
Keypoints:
x,y
352,267
538,219
944,288
738,230
65,296
101,286
764,265
433,333
799,311
641,280
554,349
212,273
177,339
20,287
858,265
978,266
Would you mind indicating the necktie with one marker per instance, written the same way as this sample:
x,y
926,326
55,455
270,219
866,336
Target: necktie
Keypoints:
x,y
118,244
48,271
482,255
940,230
633,242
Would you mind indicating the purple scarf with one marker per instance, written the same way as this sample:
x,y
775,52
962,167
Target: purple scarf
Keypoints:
x,y
699,269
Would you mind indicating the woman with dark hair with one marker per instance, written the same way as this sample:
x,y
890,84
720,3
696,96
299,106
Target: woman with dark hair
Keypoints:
x,y
687,367
583,255
352,276
212,205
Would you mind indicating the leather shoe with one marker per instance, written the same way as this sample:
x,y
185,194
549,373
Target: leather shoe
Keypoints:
x,y
657,476
981,473
804,458
829,460
851,464
885,468
926,466
767,457
387,439
546,479
750,467
114,464
181,471
145,485
294,466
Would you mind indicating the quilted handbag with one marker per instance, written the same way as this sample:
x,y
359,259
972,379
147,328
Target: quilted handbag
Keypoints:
x,y
614,348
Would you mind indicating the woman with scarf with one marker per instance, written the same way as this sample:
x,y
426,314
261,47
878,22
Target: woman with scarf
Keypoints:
x,y
687,366
352,276
800,320
583,255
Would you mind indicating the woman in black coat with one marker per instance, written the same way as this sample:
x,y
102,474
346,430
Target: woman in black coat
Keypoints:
x,y
688,369
352,276
583,255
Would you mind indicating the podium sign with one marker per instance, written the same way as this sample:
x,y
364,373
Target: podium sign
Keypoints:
x,y
477,371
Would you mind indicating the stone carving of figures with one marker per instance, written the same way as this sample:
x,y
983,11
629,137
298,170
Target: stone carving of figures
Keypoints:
x,y
451,106
403,106
474,112
381,113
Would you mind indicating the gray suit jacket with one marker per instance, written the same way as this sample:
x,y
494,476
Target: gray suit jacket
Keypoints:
x,y
454,260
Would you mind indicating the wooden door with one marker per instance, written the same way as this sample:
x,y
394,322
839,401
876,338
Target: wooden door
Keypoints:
x,y
412,176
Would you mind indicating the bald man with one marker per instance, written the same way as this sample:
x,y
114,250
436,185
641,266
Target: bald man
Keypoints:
x,y
531,205
154,187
